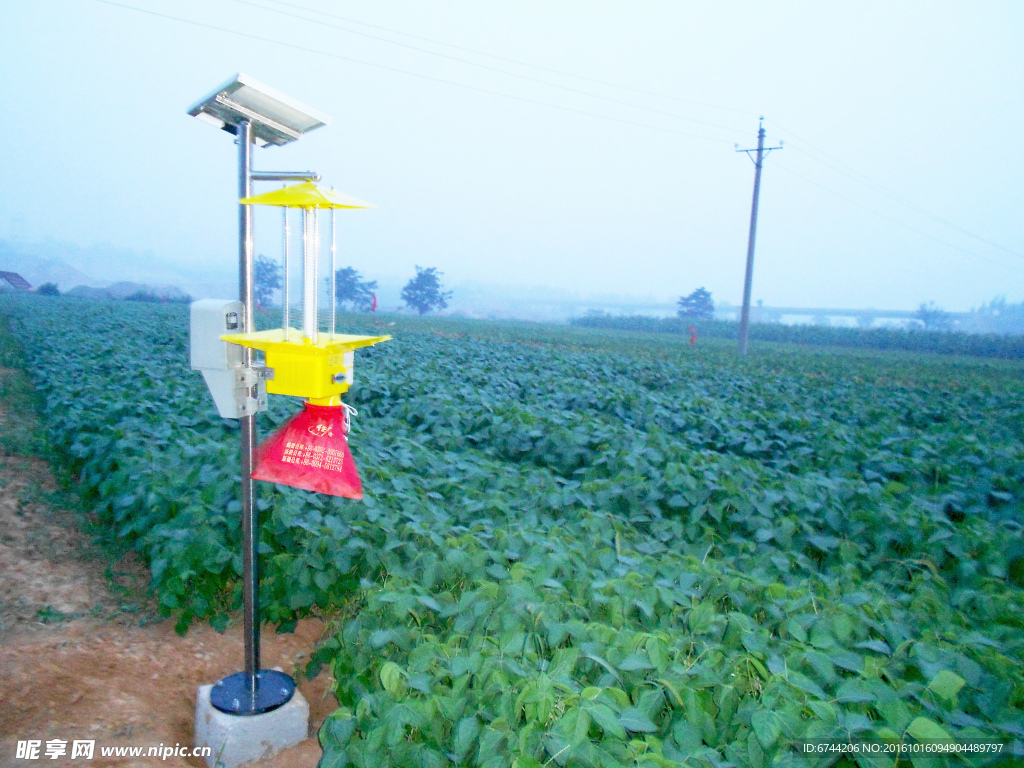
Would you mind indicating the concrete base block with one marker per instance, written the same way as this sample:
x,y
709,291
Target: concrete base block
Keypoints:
x,y
235,740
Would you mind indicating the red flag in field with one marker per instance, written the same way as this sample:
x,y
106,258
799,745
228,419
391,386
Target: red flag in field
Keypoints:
x,y
310,451
373,307
693,335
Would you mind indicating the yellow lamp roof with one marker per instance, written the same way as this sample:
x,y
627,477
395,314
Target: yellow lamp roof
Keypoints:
x,y
306,195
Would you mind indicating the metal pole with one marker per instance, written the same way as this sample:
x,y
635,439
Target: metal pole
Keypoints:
x,y
286,316
247,424
749,278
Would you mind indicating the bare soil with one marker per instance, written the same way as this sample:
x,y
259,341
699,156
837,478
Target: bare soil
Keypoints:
x,y
83,654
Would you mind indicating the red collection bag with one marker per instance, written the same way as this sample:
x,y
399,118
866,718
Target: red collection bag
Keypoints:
x,y
310,451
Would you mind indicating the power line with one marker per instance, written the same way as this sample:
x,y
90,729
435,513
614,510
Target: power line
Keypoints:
x,y
838,166
528,78
852,173
887,218
387,68
511,60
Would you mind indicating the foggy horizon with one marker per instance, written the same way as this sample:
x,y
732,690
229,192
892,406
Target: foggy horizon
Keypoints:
x,y
898,184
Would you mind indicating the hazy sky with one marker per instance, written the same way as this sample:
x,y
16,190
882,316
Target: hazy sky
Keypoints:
x,y
900,123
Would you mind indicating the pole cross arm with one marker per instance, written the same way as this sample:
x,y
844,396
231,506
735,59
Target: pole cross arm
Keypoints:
x,y
763,151
285,176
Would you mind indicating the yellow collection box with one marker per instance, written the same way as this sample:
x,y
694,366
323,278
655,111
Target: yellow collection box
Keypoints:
x,y
319,372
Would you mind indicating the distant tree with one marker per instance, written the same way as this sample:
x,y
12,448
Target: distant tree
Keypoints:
x,y
933,318
48,289
266,278
156,298
697,305
423,293
997,317
350,289
144,295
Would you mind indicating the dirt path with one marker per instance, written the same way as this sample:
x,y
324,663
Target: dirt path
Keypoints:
x,y
82,655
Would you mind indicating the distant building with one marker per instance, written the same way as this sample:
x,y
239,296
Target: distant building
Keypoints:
x,y
12,281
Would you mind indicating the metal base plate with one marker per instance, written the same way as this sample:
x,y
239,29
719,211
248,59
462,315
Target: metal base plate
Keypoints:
x,y
234,694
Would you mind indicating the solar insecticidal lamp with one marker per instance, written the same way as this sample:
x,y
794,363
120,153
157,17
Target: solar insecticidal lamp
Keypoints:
x,y
303,364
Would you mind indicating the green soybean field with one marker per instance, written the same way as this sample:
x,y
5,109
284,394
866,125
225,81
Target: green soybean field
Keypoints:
x,y
588,547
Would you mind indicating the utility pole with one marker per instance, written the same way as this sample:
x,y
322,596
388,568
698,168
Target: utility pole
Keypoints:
x,y
749,278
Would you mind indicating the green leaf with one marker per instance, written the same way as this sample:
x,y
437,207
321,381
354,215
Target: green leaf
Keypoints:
x,y
334,758
824,543
466,732
635,661
558,748
633,719
842,626
336,731
286,627
381,637
923,729
323,579
391,677
754,753
797,630
420,682
608,667
563,662
767,728
896,713
824,711
605,717
946,685
878,646
618,697
852,691
581,727
658,653
686,735
756,641
847,660
805,684
429,602
701,618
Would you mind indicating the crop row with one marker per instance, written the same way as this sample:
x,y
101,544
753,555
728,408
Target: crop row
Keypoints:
x,y
1009,347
